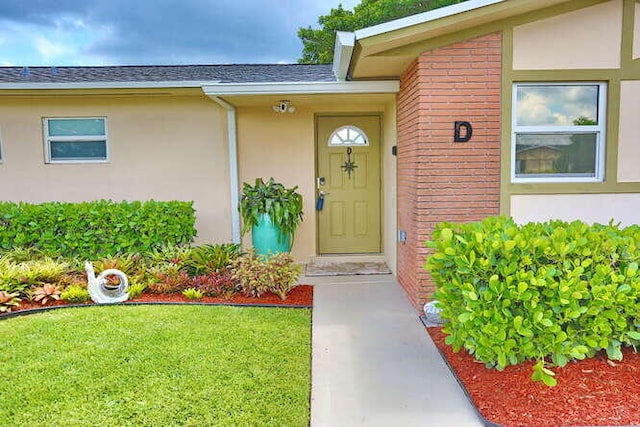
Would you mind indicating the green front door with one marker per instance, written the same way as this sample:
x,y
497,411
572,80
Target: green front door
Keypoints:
x,y
348,174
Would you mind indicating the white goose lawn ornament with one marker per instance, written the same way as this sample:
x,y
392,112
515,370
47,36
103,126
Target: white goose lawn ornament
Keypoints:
x,y
98,290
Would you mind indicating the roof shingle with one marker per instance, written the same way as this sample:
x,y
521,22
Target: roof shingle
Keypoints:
x,y
239,73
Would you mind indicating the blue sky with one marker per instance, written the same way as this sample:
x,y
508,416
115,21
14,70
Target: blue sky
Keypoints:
x,y
121,32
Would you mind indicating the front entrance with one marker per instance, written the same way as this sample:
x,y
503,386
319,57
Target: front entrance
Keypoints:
x,y
348,175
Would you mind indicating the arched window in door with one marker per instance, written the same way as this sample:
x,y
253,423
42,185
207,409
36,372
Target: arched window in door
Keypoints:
x,y
348,136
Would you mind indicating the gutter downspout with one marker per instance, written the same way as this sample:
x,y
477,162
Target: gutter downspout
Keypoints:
x,y
232,140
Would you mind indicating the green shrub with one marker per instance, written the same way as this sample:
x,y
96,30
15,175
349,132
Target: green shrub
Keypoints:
x,y
257,275
207,259
544,291
75,294
95,229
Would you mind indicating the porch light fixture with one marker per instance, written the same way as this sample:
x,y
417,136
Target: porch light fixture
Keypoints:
x,y
284,106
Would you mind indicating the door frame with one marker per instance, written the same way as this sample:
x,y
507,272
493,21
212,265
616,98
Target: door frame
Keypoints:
x,y
380,117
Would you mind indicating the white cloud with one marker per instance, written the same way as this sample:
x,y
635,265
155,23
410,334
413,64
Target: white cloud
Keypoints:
x,y
96,32
49,50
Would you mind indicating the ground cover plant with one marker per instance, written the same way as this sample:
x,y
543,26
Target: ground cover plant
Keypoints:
x,y
195,272
157,365
550,292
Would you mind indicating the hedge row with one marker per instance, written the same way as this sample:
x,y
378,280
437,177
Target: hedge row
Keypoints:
x,y
553,291
96,229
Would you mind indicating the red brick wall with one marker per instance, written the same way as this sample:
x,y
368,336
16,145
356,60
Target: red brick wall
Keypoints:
x,y
438,179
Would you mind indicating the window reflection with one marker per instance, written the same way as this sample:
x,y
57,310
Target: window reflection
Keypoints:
x,y
557,105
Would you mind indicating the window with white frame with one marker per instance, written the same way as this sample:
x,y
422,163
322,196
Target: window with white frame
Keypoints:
x,y
558,132
75,140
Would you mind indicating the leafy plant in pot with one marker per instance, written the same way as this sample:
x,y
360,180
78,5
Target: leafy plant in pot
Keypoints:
x,y
272,213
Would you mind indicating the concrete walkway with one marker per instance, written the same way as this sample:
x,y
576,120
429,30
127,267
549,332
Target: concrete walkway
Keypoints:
x,y
373,362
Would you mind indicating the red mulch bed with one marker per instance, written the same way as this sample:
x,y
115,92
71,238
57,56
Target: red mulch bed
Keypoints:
x,y
301,295
590,392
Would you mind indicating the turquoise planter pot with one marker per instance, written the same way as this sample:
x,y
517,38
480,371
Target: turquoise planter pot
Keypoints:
x,y
267,238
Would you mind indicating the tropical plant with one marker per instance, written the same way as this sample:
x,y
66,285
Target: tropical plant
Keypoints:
x,y
283,205
169,254
46,293
127,263
168,278
75,294
284,274
21,277
73,278
8,301
192,293
219,283
136,289
10,277
257,275
207,259
21,254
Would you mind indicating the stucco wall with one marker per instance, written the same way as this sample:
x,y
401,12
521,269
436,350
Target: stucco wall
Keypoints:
x,y
389,176
628,143
161,148
282,146
586,38
591,208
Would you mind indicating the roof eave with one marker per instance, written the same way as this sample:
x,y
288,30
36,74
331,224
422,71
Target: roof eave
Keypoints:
x,y
106,85
392,41
422,18
302,88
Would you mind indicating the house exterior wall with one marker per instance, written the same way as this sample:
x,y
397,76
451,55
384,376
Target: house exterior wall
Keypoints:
x,y
174,147
628,144
389,186
591,208
162,148
616,24
283,146
586,38
636,31
438,179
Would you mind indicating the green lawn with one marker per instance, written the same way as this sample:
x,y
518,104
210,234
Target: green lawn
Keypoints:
x,y
156,366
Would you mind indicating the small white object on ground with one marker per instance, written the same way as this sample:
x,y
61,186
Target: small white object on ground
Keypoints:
x,y
432,314
98,290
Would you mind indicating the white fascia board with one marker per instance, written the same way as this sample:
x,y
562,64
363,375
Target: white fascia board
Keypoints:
x,y
301,88
107,85
421,18
342,52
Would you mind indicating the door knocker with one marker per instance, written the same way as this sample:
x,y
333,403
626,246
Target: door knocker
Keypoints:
x,y
349,166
